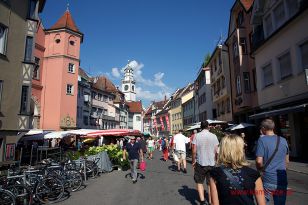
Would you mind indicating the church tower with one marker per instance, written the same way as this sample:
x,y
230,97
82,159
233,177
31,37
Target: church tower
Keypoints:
x,y
60,74
128,84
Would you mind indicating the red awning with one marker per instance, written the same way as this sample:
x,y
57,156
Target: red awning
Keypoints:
x,y
114,132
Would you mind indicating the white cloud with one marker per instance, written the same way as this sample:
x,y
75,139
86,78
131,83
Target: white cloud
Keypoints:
x,y
115,72
148,89
151,95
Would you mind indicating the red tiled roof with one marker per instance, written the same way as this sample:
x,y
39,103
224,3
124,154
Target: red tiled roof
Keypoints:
x,y
66,21
103,83
247,4
83,74
135,107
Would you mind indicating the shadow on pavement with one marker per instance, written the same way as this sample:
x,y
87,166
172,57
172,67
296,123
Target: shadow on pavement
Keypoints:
x,y
139,176
190,195
173,168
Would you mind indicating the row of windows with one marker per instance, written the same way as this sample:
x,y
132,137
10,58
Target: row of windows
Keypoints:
x,y
247,83
188,106
177,127
282,11
223,107
284,64
32,14
100,97
176,116
188,121
219,85
201,99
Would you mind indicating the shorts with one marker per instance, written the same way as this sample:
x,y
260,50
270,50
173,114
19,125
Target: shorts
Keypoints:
x,y
202,173
180,154
151,149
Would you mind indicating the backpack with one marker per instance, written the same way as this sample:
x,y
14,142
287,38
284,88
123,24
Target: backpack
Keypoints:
x,y
163,144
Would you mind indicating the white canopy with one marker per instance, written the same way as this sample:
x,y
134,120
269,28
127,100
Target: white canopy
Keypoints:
x,y
34,132
82,131
58,134
216,122
241,126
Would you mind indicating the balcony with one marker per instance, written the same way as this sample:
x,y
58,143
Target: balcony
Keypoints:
x,y
106,117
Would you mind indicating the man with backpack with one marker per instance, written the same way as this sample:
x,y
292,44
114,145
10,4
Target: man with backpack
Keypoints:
x,y
272,157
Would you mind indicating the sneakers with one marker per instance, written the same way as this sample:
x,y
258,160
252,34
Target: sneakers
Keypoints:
x,y
134,181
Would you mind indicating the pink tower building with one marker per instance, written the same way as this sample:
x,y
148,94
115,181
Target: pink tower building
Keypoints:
x,y
60,75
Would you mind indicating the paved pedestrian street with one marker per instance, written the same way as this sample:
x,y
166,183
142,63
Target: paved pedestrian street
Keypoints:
x,y
160,185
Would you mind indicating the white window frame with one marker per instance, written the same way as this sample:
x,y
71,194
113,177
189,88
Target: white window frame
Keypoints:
x,y
71,68
70,89
3,40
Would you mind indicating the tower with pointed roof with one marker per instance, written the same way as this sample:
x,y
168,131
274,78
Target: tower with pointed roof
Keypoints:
x,y
60,74
128,84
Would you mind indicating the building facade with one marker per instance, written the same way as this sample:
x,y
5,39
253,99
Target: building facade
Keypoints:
x,y
203,105
220,82
280,43
242,65
18,23
188,106
104,114
84,100
135,115
60,75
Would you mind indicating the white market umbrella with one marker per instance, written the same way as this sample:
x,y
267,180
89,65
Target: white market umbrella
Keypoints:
x,y
58,135
241,126
216,122
82,131
193,127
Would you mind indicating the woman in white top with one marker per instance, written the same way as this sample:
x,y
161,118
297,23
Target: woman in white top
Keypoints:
x,y
151,146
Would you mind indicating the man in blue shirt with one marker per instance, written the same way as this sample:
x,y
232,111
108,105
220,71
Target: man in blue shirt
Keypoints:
x,y
274,174
134,151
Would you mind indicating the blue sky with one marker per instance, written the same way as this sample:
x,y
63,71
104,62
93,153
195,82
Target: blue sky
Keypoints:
x,y
167,39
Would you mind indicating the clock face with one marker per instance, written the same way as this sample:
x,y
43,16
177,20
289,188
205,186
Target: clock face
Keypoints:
x,y
126,87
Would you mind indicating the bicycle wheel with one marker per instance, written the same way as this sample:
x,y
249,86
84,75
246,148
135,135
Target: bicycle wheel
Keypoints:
x,y
7,197
74,180
49,190
22,194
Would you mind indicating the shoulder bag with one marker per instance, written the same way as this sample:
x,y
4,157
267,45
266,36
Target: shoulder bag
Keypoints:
x,y
273,155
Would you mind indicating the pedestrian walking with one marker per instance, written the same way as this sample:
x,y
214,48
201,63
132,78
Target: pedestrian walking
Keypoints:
x,y
272,158
135,153
204,153
165,148
151,147
143,145
179,145
232,181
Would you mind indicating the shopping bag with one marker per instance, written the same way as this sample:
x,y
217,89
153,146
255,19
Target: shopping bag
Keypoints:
x,y
142,166
175,157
